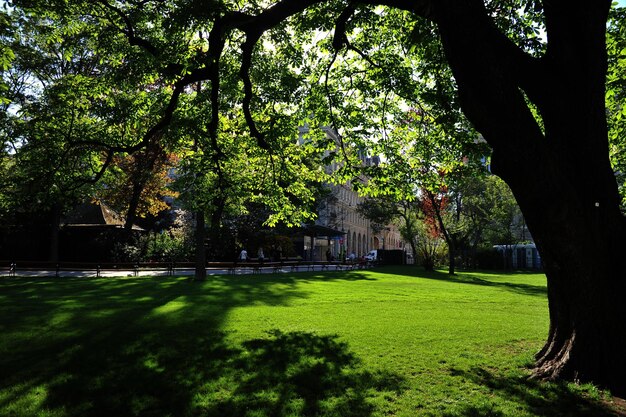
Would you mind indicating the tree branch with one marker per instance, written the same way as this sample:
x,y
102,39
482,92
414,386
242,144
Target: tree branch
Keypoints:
x,y
130,30
246,62
340,39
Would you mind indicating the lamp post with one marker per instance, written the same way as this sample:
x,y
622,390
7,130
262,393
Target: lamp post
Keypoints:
x,y
342,250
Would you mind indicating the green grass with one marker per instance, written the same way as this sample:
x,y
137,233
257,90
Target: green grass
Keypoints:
x,y
387,342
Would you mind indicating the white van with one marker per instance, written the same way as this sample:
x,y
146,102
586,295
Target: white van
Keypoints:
x,y
372,256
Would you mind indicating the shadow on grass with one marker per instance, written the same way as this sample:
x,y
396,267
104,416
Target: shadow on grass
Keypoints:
x,y
153,347
468,278
538,398
301,374
297,374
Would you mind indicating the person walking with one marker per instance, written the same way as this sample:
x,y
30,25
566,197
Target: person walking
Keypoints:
x,y
260,254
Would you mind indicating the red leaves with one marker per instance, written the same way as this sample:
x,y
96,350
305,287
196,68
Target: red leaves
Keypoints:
x,y
432,205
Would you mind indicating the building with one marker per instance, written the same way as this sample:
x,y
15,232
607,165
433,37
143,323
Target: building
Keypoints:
x,y
520,256
338,212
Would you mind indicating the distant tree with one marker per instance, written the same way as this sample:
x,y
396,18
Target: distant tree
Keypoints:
x,y
379,211
121,180
382,211
491,214
49,91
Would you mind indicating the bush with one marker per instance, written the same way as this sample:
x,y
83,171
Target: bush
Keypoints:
x,y
489,258
163,247
167,247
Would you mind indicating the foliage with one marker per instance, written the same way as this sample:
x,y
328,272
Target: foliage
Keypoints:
x,y
616,96
230,156
475,211
65,107
249,231
430,248
504,220
173,243
157,247
380,212
117,185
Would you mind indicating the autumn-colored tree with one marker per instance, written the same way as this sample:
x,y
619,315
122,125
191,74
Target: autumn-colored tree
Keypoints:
x,y
127,174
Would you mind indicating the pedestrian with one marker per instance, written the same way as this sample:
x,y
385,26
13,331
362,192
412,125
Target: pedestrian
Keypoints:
x,y
243,255
329,255
260,254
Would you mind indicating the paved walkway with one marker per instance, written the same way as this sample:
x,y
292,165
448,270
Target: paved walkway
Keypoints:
x,y
243,270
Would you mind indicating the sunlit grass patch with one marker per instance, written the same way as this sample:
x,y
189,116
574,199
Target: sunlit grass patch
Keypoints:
x,y
391,341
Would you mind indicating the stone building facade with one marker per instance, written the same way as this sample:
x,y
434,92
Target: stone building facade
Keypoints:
x,y
339,212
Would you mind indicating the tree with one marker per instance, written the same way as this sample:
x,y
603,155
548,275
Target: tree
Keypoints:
x,y
431,247
379,211
48,91
434,205
473,209
539,102
422,171
554,156
121,180
566,189
415,225
502,219
384,210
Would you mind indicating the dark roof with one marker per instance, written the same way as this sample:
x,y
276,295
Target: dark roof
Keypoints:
x,y
94,214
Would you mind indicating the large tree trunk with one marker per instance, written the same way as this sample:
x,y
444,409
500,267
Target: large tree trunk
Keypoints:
x,y
559,172
586,288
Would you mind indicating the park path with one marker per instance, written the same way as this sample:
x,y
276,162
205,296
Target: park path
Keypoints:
x,y
110,273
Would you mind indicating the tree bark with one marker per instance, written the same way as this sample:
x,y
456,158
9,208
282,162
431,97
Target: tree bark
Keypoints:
x,y
133,205
55,222
444,231
559,172
215,227
200,271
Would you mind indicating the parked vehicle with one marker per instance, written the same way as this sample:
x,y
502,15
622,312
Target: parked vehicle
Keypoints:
x,y
372,255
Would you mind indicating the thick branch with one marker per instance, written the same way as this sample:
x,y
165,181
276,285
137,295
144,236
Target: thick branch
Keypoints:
x,y
490,70
340,39
246,63
133,39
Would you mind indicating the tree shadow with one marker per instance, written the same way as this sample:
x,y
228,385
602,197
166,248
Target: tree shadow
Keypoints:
x,y
296,374
154,347
538,398
301,374
469,279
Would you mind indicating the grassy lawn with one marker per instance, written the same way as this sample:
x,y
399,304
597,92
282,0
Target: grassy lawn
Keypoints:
x,y
386,342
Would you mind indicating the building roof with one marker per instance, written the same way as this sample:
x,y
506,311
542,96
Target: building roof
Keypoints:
x,y
94,214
